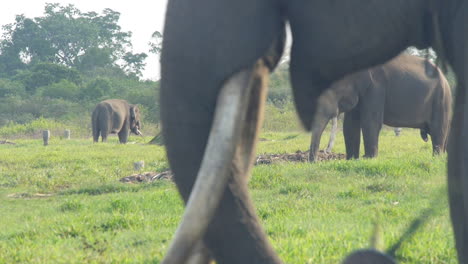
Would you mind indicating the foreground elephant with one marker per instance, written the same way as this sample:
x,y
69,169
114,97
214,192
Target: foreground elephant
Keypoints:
x,y
115,116
215,62
407,91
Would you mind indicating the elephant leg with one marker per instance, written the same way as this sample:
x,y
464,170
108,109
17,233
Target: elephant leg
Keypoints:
x,y
457,177
458,145
352,133
439,126
96,133
104,135
224,216
234,225
244,156
333,131
240,170
124,132
320,122
372,113
123,135
370,134
103,128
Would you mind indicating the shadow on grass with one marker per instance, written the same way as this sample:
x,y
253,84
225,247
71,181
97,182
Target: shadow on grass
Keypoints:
x,y
114,188
437,205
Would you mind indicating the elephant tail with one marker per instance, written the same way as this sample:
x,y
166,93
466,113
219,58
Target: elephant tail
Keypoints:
x,y
424,135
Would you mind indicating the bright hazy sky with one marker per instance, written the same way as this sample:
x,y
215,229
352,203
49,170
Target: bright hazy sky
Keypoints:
x,y
141,17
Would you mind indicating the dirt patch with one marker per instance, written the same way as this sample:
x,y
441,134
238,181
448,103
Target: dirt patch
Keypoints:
x,y
147,177
298,156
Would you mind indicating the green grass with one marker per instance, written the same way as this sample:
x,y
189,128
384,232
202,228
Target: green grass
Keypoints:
x,y
64,204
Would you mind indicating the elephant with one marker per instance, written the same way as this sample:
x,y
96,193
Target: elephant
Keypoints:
x,y
215,60
407,91
115,116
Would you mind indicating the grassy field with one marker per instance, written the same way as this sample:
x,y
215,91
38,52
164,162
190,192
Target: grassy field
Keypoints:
x,y
64,204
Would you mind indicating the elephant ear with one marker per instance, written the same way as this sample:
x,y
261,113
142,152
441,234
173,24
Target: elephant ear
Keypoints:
x,y
374,77
133,111
348,103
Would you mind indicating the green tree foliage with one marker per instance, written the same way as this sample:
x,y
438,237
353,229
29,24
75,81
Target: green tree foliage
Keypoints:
x,y
280,91
134,63
95,58
96,89
61,64
156,42
67,36
43,74
9,88
63,89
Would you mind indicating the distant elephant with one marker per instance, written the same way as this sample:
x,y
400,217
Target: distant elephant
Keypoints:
x,y
407,91
115,116
215,62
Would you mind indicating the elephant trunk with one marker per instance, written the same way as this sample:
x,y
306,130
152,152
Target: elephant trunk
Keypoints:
x,y
213,175
333,130
318,126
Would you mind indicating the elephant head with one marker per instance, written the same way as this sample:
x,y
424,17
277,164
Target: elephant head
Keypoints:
x,y
342,96
135,122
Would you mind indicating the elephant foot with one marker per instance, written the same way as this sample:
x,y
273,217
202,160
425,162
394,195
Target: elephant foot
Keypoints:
x,y
436,151
312,159
368,256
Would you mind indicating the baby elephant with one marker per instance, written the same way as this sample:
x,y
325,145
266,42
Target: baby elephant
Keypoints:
x,y
115,116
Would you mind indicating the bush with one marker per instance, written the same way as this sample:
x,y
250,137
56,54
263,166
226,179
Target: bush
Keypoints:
x,y
63,89
11,88
282,119
280,92
96,89
44,74
36,126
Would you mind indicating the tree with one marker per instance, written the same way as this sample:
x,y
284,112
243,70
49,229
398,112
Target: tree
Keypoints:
x,y
134,63
65,35
63,89
156,43
96,89
44,74
10,88
95,58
